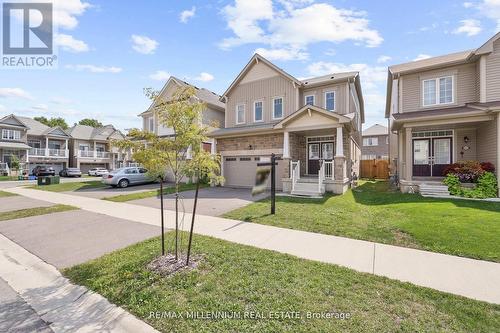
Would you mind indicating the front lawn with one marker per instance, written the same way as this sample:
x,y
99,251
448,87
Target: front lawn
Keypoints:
x,y
372,212
73,186
19,214
235,278
152,193
6,194
7,178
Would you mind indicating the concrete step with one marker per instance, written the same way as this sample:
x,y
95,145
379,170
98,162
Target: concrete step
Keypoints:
x,y
307,180
307,194
433,190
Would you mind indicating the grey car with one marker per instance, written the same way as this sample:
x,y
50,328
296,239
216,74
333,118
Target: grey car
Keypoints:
x,y
70,172
124,177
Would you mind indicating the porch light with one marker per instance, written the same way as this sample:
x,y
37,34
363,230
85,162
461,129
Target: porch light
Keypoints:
x,y
466,139
250,147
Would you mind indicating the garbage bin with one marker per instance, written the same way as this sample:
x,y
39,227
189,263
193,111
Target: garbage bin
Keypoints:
x,y
48,180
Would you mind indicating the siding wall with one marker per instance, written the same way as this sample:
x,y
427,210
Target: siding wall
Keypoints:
x,y
493,73
341,94
466,86
382,149
487,142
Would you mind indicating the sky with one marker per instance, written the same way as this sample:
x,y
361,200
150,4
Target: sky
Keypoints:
x,y
109,51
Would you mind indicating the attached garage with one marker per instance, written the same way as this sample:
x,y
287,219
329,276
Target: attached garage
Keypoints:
x,y
240,171
85,167
57,166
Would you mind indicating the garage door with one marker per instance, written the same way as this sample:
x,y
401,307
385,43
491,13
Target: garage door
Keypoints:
x,y
57,166
239,171
84,167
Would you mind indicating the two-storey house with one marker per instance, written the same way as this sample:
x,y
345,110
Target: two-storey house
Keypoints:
x,y
375,143
33,143
313,126
442,110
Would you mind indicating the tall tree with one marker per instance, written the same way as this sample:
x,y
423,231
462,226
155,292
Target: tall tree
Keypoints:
x,y
90,122
53,122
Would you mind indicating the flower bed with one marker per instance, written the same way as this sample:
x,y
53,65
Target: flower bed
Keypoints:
x,y
471,172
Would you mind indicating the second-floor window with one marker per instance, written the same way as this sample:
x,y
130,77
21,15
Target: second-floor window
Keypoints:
x,y
309,100
257,111
438,91
9,134
240,113
150,123
330,100
277,108
370,141
34,143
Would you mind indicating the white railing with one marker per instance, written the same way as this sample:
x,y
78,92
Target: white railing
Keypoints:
x,y
85,153
102,154
328,169
36,152
94,154
294,172
58,152
321,176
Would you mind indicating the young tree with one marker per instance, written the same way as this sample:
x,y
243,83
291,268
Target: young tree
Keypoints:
x,y
90,122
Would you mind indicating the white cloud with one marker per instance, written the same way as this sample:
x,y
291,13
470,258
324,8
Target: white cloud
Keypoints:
x,y
144,44
66,11
159,76
41,107
60,100
95,69
383,58
15,93
295,24
68,43
2,108
330,52
282,54
204,77
468,4
470,27
187,14
422,56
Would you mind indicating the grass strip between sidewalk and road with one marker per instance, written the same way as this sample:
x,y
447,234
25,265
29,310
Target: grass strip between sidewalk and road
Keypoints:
x,y
234,278
8,178
72,186
152,193
22,213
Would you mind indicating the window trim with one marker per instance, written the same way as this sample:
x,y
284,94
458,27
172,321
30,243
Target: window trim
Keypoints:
x,y
236,114
13,131
369,141
311,95
438,91
334,100
282,107
151,121
255,102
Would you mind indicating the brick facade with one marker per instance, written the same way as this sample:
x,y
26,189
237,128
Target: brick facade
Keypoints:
x,y
258,142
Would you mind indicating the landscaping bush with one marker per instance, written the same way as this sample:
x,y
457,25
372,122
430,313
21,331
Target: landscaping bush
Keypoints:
x,y
469,171
488,166
453,183
487,186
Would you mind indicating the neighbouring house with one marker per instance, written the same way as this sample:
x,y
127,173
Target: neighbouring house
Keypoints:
x,y
92,147
313,126
33,143
443,110
375,143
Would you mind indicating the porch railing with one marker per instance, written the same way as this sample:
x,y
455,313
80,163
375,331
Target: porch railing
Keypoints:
x,y
58,152
102,154
294,172
321,176
94,154
328,169
43,152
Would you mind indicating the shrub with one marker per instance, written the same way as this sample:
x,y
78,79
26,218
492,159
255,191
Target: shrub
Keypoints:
x,y
468,171
453,183
488,166
487,186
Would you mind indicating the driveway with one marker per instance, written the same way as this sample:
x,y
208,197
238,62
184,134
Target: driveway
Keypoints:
x,y
108,191
213,201
68,238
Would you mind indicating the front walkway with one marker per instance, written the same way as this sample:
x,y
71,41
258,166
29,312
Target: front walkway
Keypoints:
x,y
467,277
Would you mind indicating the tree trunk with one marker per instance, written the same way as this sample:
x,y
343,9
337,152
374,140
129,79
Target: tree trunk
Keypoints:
x,y
192,218
176,221
162,219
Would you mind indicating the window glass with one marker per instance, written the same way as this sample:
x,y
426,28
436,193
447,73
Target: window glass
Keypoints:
x,y
310,100
258,111
330,101
130,171
240,114
278,108
420,152
314,151
8,134
445,90
429,92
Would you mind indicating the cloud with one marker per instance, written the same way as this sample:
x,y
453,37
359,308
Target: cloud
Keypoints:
x,y
66,11
204,77
144,44
159,76
468,4
383,58
282,54
41,107
68,43
293,25
469,27
95,69
187,14
60,100
2,108
15,93
422,56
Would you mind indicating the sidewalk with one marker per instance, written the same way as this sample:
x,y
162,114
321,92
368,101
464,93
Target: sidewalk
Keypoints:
x,y
461,276
63,306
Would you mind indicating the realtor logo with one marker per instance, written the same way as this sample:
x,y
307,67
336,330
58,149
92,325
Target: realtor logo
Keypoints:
x,y
27,31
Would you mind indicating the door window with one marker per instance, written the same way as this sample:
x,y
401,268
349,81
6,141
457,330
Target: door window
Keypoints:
x,y
314,151
420,152
327,150
441,151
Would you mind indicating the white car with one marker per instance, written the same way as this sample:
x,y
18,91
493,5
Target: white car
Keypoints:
x,y
98,172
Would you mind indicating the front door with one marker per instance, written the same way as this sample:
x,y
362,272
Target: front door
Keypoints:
x,y
441,153
318,151
431,156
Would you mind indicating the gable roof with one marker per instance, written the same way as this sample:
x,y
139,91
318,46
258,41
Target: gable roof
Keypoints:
x,y
37,128
255,59
13,120
376,129
84,132
308,108
329,78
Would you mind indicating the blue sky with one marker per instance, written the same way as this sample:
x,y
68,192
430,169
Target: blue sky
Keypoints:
x,y
110,50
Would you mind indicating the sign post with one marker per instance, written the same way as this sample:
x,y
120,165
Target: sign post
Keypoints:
x,y
261,178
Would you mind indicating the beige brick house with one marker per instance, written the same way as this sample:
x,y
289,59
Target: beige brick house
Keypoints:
x,y
313,126
442,110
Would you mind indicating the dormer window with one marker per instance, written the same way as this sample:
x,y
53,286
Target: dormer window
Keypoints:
x,y
309,100
437,91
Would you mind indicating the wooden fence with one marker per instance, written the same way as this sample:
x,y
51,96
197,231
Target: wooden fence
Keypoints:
x,y
374,169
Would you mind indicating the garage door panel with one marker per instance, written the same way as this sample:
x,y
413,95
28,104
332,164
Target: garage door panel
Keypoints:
x,y
240,171
85,167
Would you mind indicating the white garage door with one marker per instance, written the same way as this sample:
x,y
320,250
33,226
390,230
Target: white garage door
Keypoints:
x,y
84,167
239,171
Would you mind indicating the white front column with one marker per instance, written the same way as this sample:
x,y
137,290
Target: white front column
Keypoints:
x,y
409,151
401,158
189,153
95,150
46,146
27,155
213,147
286,145
340,142
498,151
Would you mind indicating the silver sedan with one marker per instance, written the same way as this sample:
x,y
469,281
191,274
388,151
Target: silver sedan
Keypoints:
x,y
124,177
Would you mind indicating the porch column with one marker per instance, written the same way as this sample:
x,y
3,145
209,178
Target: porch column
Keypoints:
x,y
213,147
401,158
409,159
46,146
27,156
95,151
339,159
66,149
286,145
498,151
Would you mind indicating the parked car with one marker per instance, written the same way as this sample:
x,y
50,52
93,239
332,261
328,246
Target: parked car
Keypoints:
x,y
98,172
124,177
70,172
42,170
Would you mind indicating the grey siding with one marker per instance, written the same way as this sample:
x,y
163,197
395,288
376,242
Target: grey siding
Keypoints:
x,y
493,74
341,93
382,149
487,142
211,114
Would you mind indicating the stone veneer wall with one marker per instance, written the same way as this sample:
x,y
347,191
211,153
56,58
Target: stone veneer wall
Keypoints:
x,y
264,141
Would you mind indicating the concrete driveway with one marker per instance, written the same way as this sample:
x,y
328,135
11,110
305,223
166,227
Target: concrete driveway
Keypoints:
x,y
212,201
68,238
108,191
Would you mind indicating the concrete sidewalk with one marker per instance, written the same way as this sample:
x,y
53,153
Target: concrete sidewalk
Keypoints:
x,y
461,276
64,306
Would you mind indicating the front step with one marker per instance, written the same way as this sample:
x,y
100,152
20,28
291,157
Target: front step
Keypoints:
x,y
307,189
427,190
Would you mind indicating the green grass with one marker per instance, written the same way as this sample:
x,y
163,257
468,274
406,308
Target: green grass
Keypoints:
x,y
372,212
6,194
18,214
66,187
149,194
241,278
7,178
